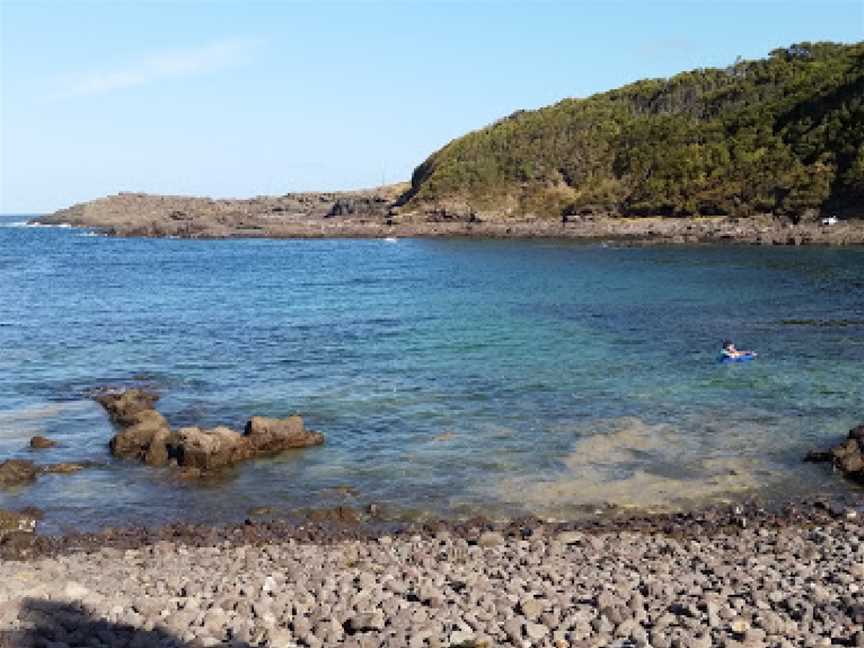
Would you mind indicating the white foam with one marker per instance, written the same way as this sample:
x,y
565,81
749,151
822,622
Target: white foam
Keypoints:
x,y
42,225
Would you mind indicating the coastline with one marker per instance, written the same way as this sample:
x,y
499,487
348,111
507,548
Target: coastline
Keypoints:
x,y
375,213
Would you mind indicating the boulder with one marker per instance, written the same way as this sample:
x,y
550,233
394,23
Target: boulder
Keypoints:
x,y
17,471
135,440
146,436
210,449
157,454
123,406
39,442
847,457
272,435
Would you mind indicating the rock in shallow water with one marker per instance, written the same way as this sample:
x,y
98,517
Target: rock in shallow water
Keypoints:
x,y
146,436
123,406
848,456
17,471
40,442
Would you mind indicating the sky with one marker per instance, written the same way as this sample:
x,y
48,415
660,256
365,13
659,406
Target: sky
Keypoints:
x,y
236,99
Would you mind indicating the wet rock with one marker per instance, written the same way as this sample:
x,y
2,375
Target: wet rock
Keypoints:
x,y
143,428
123,406
63,468
17,534
39,442
25,521
847,457
337,514
210,449
145,436
17,471
271,435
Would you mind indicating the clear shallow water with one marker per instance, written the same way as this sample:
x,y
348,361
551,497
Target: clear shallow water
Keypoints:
x,y
449,376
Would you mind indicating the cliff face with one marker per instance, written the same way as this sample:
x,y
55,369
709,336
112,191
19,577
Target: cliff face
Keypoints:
x,y
781,136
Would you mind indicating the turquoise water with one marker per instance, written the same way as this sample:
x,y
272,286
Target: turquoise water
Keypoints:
x,y
449,376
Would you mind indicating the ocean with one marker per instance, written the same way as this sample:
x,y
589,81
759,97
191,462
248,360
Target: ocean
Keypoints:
x,y
451,377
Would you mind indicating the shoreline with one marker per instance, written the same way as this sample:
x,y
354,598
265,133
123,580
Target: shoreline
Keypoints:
x,y
348,523
743,578
629,232
375,213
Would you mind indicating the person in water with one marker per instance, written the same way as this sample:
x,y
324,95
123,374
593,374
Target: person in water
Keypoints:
x,y
729,351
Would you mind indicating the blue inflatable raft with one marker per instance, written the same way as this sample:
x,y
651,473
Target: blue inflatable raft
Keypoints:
x,y
747,357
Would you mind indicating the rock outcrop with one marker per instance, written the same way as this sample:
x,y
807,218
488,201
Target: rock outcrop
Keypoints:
x,y
138,214
847,457
145,436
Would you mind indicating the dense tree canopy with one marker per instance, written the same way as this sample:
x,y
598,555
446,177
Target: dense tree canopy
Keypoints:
x,y
781,135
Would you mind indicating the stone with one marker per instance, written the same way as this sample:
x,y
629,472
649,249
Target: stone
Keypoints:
x,y
209,449
536,631
490,539
123,406
133,442
271,435
531,608
367,621
570,537
63,468
14,472
39,442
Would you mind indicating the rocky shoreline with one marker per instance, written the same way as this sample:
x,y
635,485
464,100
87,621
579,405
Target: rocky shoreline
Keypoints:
x,y
735,576
740,576
376,213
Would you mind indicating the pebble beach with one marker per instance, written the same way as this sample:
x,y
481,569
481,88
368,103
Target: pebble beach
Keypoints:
x,y
736,580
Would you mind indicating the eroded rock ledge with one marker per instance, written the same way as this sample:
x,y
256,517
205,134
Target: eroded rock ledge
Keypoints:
x,y
145,435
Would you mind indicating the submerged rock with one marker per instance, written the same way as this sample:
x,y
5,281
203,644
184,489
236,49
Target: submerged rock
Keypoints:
x,y
17,471
66,468
39,442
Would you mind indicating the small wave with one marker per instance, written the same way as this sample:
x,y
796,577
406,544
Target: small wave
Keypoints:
x,y
41,225
15,224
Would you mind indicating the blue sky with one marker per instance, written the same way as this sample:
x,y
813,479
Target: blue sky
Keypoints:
x,y
247,98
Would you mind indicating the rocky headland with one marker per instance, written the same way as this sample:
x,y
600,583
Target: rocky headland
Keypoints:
x,y
378,213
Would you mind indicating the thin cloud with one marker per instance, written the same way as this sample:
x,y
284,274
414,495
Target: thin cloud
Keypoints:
x,y
167,65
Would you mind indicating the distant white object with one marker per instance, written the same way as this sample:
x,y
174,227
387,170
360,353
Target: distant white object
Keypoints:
x,y
391,239
831,220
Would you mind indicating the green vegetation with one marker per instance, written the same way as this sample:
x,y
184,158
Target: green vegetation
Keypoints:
x,y
782,135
